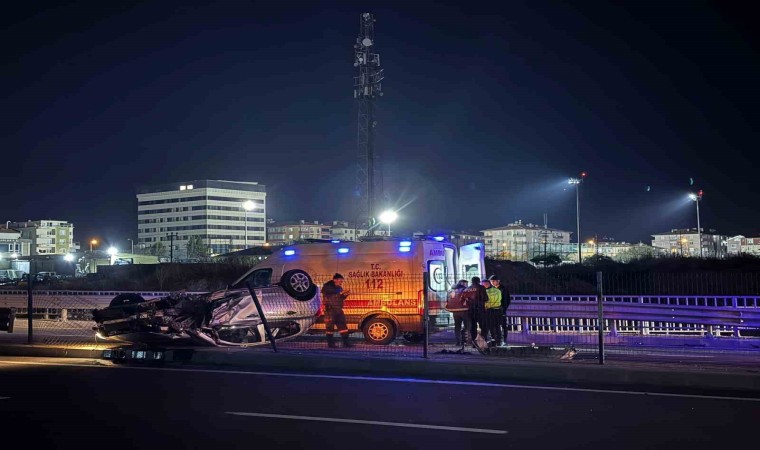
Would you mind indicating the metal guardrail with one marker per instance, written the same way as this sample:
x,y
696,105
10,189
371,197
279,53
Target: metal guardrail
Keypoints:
x,y
645,315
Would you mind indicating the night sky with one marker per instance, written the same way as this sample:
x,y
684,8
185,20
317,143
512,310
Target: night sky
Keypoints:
x,y
486,111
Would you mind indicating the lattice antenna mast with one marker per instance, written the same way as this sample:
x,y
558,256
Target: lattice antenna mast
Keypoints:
x,y
367,87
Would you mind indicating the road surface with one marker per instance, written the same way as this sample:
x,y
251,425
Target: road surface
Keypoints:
x,y
64,403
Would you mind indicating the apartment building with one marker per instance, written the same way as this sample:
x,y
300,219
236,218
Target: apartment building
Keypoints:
x,y
226,215
45,237
685,242
521,242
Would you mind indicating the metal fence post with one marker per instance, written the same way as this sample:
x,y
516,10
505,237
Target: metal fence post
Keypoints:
x,y
599,302
425,315
262,316
30,307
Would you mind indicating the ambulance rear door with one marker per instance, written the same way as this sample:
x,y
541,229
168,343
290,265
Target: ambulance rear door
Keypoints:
x,y
471,262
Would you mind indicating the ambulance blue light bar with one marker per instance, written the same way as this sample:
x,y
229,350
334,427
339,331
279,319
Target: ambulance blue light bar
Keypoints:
x,y
335,242
343,250
405,244
439,238
290,252
404,249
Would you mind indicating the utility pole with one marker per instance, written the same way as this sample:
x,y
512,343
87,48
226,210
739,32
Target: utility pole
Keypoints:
x,y
171,246
367,87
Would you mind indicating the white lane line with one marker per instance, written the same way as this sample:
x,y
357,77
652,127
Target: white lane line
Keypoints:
x,y
369,422
393,380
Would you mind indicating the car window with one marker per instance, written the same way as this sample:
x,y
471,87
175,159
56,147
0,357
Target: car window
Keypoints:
x,y
257,278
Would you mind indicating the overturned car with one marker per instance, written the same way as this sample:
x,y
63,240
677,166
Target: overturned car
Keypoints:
x,y
228,317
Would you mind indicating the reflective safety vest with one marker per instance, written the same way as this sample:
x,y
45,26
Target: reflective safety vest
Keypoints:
x,y
494,298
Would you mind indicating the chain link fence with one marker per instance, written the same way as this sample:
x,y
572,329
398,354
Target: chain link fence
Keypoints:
x,y
647,316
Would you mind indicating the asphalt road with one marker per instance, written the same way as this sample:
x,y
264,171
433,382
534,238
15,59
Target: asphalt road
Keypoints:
x,y
92,404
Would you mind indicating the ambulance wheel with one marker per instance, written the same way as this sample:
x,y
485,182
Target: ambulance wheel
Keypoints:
x,y
379,331
126,299
298,284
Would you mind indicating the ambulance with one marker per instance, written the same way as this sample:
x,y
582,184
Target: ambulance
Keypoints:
x,y
391,282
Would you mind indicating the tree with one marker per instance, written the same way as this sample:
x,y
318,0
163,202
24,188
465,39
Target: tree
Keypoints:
x,y
196,249
158,249
599,260
551,259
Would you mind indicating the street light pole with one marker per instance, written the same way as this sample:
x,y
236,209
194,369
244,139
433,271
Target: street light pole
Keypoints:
x,y
697,198
132,244
388,217
577,182
247,206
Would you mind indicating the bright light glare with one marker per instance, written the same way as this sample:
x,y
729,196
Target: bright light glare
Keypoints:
x,y
248,205
14,255
573,181
113,250
388,216
439,238
290,252
405,244
404,249
335,241
69,257
343,250
693,196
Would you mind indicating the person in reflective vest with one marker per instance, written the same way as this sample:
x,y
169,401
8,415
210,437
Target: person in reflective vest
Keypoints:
x,y
333,296
493,313
506,299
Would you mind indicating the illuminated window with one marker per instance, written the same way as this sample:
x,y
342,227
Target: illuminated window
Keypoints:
x,y
189,186
182,188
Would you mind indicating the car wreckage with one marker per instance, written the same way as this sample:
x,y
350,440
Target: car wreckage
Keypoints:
x,y
229,317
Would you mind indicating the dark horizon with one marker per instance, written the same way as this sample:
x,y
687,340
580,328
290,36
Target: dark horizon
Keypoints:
x,y
484,118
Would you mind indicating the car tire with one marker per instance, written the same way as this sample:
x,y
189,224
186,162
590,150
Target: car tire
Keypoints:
x,y
414,338
379,331
298,284
126,299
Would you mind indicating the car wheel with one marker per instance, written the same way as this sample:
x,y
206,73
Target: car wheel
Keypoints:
x,y
298,284
414,338
379,331
126,299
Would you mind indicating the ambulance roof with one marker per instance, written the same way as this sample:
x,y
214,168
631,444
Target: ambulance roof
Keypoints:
x,y
333,247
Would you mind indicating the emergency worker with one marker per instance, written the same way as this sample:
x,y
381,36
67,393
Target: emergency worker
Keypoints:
x,y
461,311
506,299
476,297
493,313
333,296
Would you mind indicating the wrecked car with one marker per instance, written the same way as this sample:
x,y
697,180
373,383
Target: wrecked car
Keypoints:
x,y
228,317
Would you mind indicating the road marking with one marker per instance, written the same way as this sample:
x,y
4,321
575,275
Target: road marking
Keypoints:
x,y
392,380
369,422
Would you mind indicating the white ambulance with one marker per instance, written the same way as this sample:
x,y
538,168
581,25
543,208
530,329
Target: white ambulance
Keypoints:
x,y
388,281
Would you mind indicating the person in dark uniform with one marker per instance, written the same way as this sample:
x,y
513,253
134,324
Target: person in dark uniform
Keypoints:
x,y
475,296
333,296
